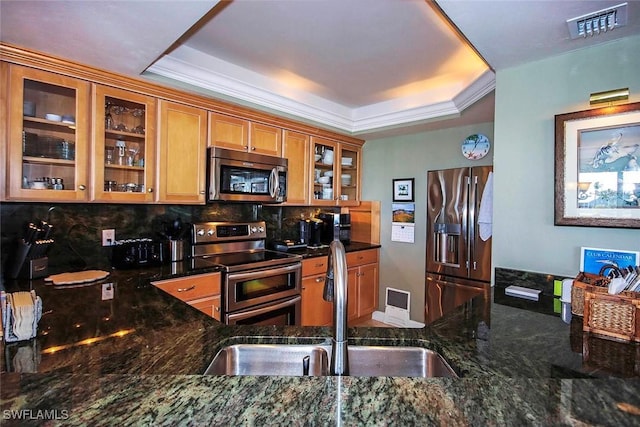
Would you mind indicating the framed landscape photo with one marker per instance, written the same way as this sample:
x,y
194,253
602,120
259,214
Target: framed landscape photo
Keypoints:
x,y
597,167
403,190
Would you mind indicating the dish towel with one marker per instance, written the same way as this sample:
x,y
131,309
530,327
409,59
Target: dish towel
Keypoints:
x,y
485,216
21,312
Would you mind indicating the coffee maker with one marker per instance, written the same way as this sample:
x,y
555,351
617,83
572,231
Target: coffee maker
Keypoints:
x,y
311,232
335,226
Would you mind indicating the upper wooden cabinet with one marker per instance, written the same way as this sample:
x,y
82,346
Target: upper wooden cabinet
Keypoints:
x,y
124,153
73,133
295,148
228,132
182,135
335,172
239,134
48,136
265,139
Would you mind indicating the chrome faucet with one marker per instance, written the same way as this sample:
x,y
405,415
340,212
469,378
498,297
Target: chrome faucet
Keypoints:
x,y
335,290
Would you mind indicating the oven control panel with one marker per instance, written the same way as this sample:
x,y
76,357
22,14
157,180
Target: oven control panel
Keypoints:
x,y
207,232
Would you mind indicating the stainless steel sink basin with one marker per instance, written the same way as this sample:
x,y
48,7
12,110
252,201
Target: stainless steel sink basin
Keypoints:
x,y
364,361
374,361
266,359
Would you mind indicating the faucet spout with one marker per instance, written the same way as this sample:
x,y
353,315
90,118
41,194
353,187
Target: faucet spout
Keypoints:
x,y
335,290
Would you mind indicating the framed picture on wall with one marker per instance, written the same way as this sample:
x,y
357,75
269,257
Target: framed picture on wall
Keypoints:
x,y
597,167
403,190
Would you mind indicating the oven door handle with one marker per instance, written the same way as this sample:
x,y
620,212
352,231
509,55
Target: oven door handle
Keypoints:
x,y
233,317
261,273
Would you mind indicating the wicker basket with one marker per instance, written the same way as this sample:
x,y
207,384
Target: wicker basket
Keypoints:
x,y
615,317
580,284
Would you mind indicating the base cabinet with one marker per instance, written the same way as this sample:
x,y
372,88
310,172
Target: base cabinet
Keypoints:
x,y
315,310
201,291
362,291
362,270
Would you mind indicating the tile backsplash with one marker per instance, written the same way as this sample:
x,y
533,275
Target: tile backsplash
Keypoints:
x,y
77,228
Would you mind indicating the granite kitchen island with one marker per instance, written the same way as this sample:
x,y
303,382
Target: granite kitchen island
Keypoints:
x,y
138,360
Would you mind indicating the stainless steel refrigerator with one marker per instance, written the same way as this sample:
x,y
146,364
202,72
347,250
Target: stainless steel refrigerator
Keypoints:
x,y
458,234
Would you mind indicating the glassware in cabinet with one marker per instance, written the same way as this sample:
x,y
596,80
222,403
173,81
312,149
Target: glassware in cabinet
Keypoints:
x,y
48,136
348,179
324,172
124,125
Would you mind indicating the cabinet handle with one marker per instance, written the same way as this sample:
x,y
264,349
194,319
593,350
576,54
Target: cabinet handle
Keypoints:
x,y
190,288
253,148
82,187
150,190
320,265
217,309
202,192
246,147
319,279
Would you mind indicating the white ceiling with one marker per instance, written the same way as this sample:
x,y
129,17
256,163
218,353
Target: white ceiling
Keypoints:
x,y
366,67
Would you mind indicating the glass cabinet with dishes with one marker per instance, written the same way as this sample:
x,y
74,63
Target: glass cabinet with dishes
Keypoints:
x,y
48,136
335,173
124,125
349,177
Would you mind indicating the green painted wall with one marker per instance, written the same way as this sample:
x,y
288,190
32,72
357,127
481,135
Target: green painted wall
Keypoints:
x,y
402,265
527,99
524,236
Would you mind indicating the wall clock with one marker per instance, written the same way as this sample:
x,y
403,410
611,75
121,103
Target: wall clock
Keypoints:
x,y
475,146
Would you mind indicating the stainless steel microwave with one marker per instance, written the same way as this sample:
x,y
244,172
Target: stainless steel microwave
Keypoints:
x,y
236,176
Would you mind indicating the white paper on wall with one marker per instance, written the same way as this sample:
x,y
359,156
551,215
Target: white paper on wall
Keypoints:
x,y
403,232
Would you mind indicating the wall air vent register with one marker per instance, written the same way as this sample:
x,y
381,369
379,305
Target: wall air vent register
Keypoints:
x,y
598,22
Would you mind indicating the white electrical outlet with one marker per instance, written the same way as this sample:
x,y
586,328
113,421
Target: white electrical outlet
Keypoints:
x,y
107,291
108,237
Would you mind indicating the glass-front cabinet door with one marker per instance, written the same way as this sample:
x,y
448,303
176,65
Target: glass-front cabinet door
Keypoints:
x,y
48,136
335,173
123,146
325,153
349,178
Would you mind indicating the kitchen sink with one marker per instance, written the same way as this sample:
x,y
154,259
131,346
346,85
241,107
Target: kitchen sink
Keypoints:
x,y
364,361
267,359
381,361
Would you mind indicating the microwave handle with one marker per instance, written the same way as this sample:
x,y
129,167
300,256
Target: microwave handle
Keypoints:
x,y
274,183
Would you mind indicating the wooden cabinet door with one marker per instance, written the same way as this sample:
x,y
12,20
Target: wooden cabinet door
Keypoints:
x,y
41,142
353,299
182,154
315,310
127,118
265,140
295,148
347,180
324,166
228,132
367,289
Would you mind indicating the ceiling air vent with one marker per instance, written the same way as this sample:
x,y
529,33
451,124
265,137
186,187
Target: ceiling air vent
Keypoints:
x,y
595,23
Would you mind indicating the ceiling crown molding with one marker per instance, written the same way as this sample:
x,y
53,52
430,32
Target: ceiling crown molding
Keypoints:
x,y
204,72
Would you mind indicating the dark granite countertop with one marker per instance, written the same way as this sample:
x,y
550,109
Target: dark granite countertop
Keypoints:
x,y
139,358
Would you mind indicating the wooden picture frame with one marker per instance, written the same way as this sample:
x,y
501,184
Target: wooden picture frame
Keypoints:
x,y
597,172
403,189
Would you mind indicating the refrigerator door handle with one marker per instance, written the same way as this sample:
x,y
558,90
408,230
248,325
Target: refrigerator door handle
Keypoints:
x,y
473,224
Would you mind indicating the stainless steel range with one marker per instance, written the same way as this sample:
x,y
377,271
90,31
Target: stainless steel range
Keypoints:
x,y
259,286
